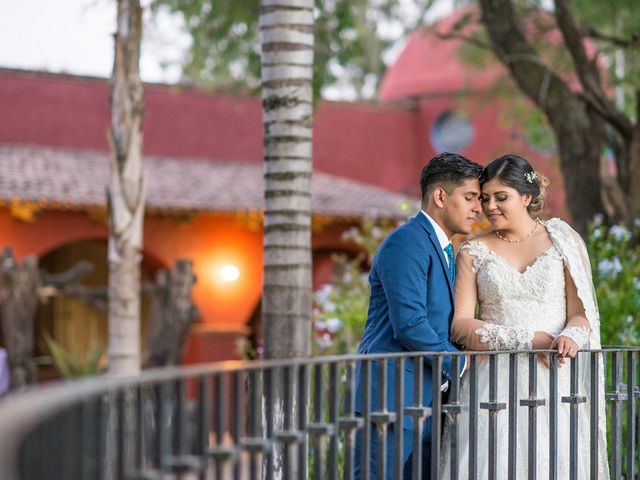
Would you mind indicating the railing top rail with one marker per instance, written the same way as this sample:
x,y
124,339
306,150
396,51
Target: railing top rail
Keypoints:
x,y
21,412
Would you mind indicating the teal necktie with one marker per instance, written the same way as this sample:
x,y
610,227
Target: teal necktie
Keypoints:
x,y
452,265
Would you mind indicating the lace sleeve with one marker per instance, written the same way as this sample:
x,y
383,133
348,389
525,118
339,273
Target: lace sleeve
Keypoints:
x,y
580,335
478,252
498,337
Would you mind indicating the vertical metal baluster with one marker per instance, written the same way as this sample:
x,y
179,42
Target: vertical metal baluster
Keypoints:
x,y
365,409
631,413
398,436
318,396
303,420
271,377
473,418
513,415
493,417
454,396
80,437
553,417
636,399
595,404
252,412
222,422
120,456
333,418
204,407
533,417
237,402
164,433
349,431
436,412
139,454
418,419
573,423
287,468
381,428
100,437
616,417
180,433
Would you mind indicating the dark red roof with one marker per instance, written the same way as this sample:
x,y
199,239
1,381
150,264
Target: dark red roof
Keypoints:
x,y
430,65
79,178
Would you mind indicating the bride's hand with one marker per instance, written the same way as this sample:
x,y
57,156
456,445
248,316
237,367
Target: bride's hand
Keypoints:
x,y
566,347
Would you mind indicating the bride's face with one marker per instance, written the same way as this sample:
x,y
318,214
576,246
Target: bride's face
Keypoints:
x,y
503,205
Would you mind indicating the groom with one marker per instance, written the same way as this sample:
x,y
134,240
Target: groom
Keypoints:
x,y
412,292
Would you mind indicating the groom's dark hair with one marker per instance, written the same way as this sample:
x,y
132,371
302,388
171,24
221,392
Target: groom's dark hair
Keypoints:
x,y
447,170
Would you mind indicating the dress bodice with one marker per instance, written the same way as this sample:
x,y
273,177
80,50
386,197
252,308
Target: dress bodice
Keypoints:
x,y
534,299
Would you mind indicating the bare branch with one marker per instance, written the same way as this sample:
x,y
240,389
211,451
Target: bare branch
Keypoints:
x,y
592,32
475,41
96,297
73,275
587,69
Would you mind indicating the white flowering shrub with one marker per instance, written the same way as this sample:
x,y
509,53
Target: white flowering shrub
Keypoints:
x,y
615,262
340,309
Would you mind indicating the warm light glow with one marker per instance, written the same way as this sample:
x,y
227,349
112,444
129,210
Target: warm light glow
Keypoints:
x,y
229,273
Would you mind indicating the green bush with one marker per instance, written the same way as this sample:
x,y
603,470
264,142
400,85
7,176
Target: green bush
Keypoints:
x,y
614,252
340,309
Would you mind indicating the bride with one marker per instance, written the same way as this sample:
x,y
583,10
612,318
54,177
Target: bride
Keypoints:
x,y
532,281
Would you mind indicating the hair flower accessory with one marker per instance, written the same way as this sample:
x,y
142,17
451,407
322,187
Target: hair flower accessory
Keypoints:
x,y
531,176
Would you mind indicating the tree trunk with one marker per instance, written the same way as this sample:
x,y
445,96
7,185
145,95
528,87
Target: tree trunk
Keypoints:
x,y
126,194
19,299
286,28
633,190
578,130
172,314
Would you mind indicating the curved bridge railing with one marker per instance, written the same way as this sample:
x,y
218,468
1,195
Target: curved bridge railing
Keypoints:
x,y
299,418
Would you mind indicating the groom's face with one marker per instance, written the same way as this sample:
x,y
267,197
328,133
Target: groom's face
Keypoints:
x,y
462,207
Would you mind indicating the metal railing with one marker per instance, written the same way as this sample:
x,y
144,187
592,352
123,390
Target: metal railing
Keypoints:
x,y
305,418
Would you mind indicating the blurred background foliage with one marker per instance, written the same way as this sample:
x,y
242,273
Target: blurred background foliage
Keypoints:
x,y
341,306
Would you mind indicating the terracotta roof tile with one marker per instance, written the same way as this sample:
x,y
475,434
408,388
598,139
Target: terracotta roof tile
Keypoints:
x,y
80,177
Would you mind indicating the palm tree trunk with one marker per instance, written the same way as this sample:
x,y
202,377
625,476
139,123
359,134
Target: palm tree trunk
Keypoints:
x,y
286,28
126,193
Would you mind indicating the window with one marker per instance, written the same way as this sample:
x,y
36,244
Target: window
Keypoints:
x,y
451,132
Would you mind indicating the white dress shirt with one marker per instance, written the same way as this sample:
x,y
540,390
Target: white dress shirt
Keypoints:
x,y
442,237
444,241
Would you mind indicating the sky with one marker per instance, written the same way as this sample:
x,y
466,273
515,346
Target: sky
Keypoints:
x,y
76,36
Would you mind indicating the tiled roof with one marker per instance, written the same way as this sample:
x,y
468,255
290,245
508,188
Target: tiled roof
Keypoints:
x,y
78,178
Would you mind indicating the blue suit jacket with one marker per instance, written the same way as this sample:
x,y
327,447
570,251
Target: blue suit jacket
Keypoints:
x,y
410,309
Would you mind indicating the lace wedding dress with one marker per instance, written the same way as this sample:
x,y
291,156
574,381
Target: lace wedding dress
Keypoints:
x,y
515,304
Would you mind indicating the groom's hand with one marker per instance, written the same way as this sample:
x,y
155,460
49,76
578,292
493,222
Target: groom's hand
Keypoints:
x,y
542,340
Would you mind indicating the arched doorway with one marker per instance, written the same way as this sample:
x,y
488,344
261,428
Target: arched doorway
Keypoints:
x,y
78,328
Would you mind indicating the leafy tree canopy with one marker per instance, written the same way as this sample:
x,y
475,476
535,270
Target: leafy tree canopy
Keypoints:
x,y
353,39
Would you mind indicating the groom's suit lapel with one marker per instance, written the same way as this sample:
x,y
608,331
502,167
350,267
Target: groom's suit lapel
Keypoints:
x,y
433,238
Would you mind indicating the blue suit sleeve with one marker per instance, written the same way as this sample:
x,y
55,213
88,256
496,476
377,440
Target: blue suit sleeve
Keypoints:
x,y
402,269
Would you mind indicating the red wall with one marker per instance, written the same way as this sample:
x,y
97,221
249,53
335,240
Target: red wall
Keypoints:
x,y
368,143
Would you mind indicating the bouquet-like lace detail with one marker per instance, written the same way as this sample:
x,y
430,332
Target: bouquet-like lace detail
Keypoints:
x,y
505,338
580,335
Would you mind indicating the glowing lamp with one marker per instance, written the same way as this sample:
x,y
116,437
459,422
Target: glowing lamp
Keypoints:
x,y
229,273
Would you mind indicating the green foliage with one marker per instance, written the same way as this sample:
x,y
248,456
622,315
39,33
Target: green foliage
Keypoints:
x,y
615,261
341,307
620,19
351,38
70,367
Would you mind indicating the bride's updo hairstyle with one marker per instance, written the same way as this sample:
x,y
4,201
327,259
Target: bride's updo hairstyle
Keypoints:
x,y
517,173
